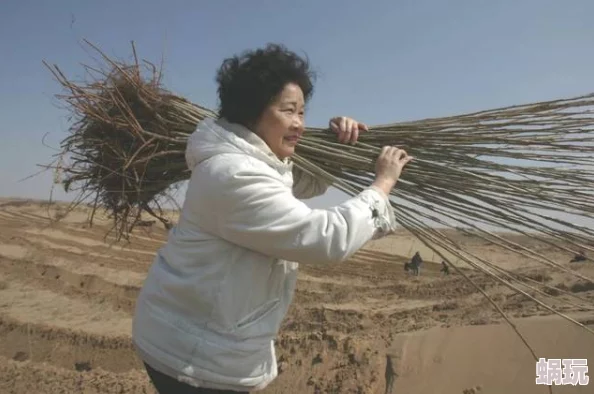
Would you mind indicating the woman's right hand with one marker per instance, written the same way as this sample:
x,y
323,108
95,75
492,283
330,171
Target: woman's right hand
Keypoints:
x,y
388,167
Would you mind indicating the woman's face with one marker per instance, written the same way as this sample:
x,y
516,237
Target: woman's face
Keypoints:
x,y
281,124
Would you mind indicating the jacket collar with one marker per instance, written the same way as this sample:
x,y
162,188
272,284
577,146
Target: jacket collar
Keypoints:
x,y
259,148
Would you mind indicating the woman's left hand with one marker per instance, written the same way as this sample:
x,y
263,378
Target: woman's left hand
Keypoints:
x,y
347,129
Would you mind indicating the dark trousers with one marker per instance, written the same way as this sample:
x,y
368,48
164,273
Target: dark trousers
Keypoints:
x,y
168,385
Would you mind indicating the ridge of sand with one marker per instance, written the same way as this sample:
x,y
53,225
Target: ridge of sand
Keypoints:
x,y
28,304
492,357
61,236
16,252
115,276
78,251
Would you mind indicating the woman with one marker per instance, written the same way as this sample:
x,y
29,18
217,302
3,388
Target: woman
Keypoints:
x,y
217,292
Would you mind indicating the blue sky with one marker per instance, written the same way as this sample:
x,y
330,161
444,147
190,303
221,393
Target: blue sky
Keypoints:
x,y
380,62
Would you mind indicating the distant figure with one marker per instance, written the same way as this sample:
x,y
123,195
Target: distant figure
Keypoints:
x,y
390,374
414,265
444,268
581,256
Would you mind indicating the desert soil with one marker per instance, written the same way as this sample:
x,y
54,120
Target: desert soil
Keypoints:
x,y
67,295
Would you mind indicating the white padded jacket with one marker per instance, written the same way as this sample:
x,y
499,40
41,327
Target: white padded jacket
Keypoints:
x,y
218,290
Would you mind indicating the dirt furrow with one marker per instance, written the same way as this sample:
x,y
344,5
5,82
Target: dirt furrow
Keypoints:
x,y
24,217
28,304
93,288
43,247
65,348
40,378
90,243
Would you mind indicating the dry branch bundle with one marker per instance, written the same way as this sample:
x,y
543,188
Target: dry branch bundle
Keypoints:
x,y
526,169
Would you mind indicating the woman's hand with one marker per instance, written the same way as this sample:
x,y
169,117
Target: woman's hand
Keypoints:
x,y
389,166
347,129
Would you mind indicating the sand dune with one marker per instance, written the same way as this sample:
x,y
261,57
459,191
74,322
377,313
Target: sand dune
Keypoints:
x,y
67,297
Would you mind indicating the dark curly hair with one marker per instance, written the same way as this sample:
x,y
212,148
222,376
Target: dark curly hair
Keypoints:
x,y
248,83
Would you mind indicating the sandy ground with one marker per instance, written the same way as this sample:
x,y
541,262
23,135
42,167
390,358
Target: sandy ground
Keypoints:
x,y
67,296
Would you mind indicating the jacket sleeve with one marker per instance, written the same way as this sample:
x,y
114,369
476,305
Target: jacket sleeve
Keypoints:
x,y
250,206
307,186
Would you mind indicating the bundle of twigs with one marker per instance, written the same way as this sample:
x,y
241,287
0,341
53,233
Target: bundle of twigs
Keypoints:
x,y
523,168
127,143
